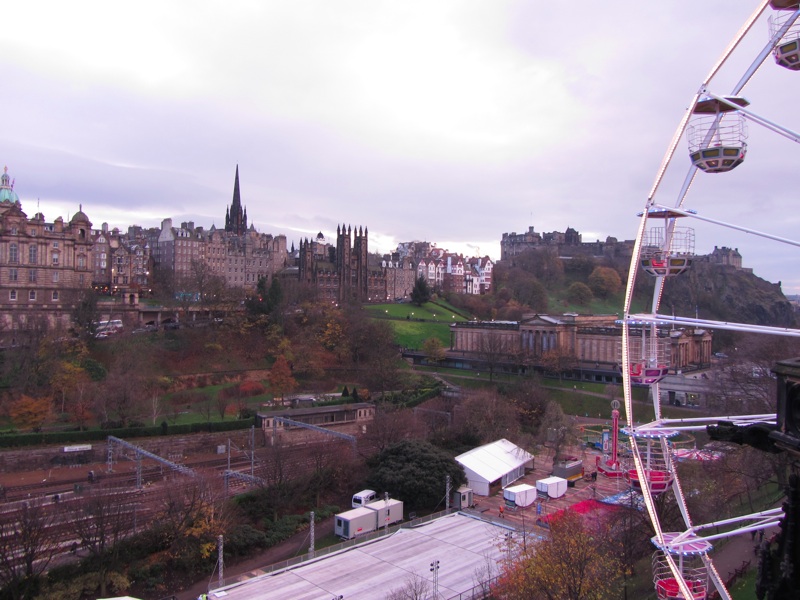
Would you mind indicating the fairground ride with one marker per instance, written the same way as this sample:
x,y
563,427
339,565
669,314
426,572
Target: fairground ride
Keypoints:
x,y
715,126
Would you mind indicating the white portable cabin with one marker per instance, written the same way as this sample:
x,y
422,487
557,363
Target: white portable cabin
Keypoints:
x,y
388,512
499,464
521,495
462,498
353,523
554,487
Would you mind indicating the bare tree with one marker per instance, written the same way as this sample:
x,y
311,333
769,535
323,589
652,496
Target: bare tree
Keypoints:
x,y
191,514
27,545
389,426
557,430
489,415
415,587
324,457
494,348
744,382
154,386
276,472
484,575
100,521
126,384
85,311
559,360
222,401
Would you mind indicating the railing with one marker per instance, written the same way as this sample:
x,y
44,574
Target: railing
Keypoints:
x,y
482,590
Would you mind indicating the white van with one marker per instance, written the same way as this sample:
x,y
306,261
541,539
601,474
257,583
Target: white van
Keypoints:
x,y
108,327
363,498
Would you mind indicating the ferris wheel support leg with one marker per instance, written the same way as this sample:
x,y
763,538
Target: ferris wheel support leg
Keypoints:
x,y
713,575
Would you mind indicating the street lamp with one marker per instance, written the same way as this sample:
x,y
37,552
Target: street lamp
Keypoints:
x,y
435,570
509,537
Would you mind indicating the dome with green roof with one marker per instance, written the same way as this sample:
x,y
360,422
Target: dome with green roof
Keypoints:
x,y
7,193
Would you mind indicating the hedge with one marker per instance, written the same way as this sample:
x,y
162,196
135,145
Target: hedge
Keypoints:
x,y
64,437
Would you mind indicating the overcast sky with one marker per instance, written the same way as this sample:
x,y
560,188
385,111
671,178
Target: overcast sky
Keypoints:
x,y
440,120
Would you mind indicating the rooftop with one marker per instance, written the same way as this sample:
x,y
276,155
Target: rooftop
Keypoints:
x,y
462,544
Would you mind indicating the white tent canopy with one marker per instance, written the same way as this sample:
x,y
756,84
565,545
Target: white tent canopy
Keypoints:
x,y
498,461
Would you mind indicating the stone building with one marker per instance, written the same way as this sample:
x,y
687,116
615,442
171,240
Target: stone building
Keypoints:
x,y
592,340
238,254
44,266
726,256
342,272
565,244
400,276
121,262
513,244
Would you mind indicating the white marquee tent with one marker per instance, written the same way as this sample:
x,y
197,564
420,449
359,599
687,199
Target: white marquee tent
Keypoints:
x,y
499,461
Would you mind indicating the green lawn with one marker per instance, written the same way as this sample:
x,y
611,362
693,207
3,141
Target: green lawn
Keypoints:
x,y
427,311
413,324
745,588
412,334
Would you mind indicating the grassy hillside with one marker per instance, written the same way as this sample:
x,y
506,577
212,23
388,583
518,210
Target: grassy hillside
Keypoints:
x,y
414,324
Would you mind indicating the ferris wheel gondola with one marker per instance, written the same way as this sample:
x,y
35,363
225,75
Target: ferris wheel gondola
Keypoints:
x,y
715,127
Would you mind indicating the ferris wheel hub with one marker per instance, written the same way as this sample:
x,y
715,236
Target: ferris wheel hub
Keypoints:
x,y
682,543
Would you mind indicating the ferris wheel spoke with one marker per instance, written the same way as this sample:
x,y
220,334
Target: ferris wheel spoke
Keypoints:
x,y
661,319
682,212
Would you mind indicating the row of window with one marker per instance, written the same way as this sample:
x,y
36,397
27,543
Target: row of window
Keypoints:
x,y
33,255
33,251
33,275
32,232
13,295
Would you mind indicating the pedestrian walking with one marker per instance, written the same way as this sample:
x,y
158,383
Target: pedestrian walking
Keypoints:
x,y
502,512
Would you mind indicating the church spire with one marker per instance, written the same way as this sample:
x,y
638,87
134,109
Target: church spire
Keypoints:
x,y
236,219
237,201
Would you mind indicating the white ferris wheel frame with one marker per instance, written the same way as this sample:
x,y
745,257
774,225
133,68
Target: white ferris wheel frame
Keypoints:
x,y
746,523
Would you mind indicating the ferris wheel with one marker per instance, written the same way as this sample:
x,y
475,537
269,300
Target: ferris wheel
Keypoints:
x,y
715,126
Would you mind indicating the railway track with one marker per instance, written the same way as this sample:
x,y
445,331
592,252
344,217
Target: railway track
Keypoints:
x,y
63,499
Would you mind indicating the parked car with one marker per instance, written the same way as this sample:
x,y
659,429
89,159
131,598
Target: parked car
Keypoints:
x,y
170,323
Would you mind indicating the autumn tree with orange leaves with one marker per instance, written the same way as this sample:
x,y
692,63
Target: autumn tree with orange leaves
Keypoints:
x,y
280,377
579,562
30,413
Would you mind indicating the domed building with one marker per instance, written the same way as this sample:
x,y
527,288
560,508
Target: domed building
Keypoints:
x,y
43,267
8,196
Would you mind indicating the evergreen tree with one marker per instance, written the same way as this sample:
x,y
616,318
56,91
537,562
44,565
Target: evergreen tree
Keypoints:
x,y
421,292
415,472
267,300
274,296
